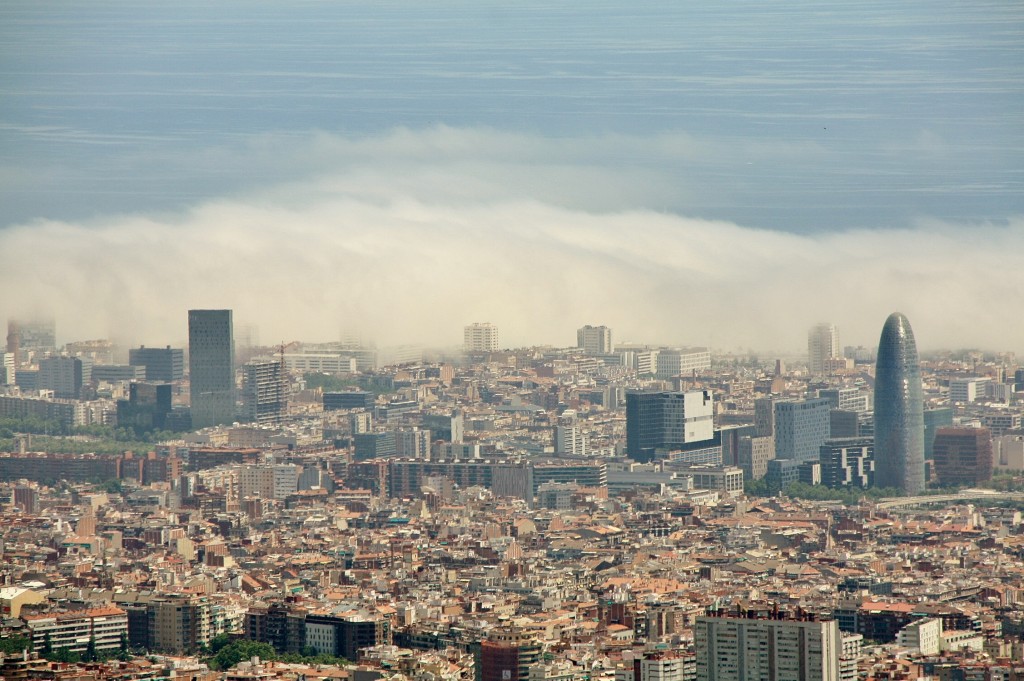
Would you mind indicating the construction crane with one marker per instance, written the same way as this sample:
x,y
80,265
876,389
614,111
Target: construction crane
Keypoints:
x,y
281,353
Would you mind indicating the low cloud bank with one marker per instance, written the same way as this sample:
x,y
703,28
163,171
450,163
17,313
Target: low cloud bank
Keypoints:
x,y
413,236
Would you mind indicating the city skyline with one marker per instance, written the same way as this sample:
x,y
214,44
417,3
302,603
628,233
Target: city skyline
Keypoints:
x,y
129,340
475,341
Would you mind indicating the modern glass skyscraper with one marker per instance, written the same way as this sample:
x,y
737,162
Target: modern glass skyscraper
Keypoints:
x,y
899,409
211,363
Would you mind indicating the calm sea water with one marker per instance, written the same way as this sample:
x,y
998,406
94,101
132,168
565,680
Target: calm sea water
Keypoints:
x,y
821,115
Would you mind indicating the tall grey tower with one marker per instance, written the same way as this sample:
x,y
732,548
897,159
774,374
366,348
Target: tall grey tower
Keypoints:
x,y
899,409
211,364
822,345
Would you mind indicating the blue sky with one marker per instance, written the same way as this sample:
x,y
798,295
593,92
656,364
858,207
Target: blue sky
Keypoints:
x,y
797,122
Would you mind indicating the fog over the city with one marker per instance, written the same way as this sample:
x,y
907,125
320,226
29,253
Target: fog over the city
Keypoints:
x,y
413,234
689,173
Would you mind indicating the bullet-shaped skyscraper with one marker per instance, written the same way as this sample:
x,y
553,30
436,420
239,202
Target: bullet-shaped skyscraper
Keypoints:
x,y
899,409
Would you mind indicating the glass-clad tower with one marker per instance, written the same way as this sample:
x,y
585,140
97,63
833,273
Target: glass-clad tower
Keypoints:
x,y
211,361
899,409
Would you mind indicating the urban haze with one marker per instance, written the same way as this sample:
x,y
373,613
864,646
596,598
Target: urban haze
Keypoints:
x,y
538,341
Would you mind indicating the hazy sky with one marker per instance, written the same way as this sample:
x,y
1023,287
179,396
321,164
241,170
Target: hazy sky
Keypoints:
x,y
703,173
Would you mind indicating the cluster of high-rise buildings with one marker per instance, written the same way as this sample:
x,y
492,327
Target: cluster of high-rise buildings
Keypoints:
x,y
600,512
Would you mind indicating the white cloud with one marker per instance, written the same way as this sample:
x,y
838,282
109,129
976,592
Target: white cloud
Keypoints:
x,y
412,235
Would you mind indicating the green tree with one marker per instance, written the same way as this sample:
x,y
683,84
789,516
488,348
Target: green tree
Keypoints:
x,y
113,486
309,655
14,645
47,650
65,655
755,488
327,382
218,642
90,650
237,651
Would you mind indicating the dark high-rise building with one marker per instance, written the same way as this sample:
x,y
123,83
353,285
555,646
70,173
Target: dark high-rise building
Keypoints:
x,y
843,423
146,408
350,399
781,473
963,456
65,376
211,363
374,445
162,364
666,420
345,636
899,409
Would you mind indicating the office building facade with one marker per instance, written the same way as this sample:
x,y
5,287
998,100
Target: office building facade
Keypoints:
x,y
164,365
346,636
848,462
764,416
846,399
666,420
65,376
412,443
801,428
211,362
146,408
899,409
672,362
781,473
594,340
754,454
963,456
935,418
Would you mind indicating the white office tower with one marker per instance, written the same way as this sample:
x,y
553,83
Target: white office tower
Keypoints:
x,y
822,345
481,337
744,649
594,340
569,437
7,368
674,362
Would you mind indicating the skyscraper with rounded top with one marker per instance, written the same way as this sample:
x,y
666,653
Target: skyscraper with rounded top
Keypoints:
x,y
899,409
